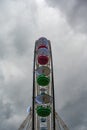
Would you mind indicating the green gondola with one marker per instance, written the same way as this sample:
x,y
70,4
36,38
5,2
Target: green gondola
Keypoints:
x,y
43,111
42,80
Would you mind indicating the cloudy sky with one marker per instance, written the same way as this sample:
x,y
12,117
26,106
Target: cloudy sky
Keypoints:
x,y
64,23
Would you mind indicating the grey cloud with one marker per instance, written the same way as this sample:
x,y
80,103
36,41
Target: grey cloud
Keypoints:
x,y
22,37
17,24
75,12
71,85
6,112
17,27
13,101
75,110
1,76
21,40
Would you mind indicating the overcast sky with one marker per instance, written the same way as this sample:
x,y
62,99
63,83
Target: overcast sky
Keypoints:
x,y
64,23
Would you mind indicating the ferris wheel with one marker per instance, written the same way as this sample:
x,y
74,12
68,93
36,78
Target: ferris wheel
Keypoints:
x,y
42,115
